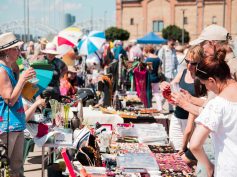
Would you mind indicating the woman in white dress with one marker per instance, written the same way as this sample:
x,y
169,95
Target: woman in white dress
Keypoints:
x,y
218,118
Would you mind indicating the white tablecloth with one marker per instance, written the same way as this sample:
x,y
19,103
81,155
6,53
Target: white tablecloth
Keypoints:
x,y
91,117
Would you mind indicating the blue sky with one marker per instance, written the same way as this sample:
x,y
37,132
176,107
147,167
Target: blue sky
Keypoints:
x,y
51,12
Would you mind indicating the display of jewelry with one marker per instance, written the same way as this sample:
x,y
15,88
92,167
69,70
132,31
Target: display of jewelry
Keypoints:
x,y
161,148
167,161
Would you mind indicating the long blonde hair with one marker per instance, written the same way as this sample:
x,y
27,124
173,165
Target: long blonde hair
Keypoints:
x,y
195,53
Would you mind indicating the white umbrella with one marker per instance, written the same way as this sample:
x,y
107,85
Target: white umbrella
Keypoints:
x,y
91,43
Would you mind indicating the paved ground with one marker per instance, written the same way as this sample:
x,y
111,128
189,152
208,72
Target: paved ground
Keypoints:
x,y
32,165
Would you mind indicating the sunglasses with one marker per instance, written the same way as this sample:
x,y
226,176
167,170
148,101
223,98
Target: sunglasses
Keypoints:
x,y
191,63
201,74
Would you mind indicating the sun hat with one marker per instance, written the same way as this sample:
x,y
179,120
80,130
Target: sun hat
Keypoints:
x,y
9,40
211,33
72,69
50,48
43,41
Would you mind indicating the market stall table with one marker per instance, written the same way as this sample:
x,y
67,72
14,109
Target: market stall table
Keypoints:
x,y
161,119
92,116
164,119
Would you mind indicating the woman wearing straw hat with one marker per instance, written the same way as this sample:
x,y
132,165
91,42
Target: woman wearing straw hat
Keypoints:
x,y
12,115
60,68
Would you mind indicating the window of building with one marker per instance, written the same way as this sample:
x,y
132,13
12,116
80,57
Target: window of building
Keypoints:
x,y
214,20
185,20
158,26
131,21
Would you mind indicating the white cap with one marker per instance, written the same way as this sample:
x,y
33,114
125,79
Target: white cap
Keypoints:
x,y
211,33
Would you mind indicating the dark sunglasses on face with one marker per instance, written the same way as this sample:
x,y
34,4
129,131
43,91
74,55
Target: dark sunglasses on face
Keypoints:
x,y
191,63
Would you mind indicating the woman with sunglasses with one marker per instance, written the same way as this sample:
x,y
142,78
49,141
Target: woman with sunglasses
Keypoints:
x,y
185,80
218,118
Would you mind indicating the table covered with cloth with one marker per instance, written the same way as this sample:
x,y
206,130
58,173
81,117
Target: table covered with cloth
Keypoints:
x,y
91,117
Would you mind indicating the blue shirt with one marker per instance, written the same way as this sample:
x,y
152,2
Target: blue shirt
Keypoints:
x,y
156,62
16,112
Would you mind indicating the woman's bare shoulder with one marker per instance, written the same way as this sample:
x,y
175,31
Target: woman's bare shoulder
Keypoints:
x,y
4,76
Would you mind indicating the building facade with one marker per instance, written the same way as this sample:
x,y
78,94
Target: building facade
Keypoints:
x,y
142,16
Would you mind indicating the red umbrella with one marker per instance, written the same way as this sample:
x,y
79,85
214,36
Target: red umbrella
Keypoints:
x,y
68,39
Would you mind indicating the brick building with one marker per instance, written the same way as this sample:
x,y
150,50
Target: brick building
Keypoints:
x,y
142,16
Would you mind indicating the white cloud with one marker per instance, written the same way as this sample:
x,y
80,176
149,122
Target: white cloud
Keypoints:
x,y
72,6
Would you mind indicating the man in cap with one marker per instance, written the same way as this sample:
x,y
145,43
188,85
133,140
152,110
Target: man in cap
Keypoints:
x,y
215,34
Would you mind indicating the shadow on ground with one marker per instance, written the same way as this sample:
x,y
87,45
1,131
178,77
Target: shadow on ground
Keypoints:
x,y
35,159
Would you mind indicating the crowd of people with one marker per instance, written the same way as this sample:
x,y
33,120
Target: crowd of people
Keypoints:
x,y
201,77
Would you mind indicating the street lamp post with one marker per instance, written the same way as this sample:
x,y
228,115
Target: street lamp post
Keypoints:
x,y
183,11
224,3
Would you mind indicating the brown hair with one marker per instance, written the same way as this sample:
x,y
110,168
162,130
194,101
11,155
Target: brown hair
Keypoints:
x,y
214,66
149,49
3,54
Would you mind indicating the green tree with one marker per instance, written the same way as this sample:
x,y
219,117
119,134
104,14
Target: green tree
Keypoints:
x,y
114,33
173,31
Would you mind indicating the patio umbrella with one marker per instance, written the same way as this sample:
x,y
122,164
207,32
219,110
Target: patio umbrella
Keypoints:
x,y
91,43
44,73
67,39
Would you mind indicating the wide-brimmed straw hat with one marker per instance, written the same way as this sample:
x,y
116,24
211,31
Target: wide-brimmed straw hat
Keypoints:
x,y
50,48
9,40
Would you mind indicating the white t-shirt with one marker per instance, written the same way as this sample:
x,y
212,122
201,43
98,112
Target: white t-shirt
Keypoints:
x,y
220,116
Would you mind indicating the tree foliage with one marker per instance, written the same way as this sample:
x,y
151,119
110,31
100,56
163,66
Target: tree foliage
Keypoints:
x,y
114,33
173,31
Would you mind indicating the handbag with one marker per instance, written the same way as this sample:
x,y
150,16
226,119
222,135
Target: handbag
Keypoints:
x,y
161,75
